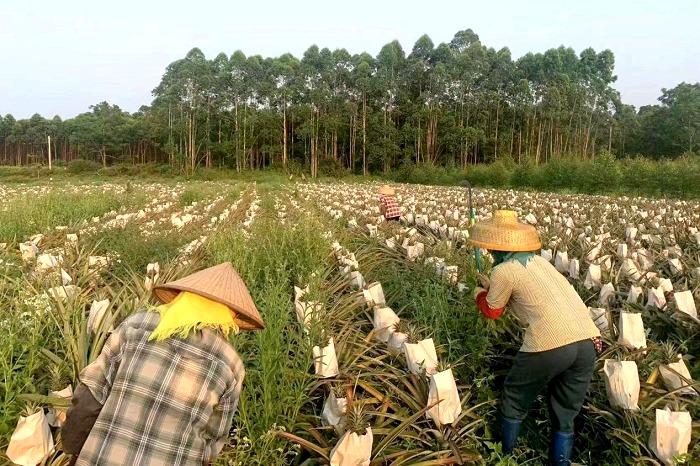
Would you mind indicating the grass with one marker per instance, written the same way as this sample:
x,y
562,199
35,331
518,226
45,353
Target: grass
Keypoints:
x,y
278,417
278,376
679,178
28,214
133,251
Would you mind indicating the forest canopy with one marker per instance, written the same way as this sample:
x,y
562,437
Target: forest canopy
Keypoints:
x,y
451,104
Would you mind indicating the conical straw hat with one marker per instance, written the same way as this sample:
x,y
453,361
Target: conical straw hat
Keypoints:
x,y
503,232
387,190
220,283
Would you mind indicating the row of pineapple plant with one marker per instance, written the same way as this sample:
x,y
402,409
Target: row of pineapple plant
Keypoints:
x,y
616,268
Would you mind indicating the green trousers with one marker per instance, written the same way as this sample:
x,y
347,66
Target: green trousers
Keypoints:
x,y
565,371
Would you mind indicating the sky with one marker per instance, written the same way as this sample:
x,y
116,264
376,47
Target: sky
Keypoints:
x,y
61,56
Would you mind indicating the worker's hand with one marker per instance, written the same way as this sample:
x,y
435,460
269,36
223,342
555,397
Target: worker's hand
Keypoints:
x,y
477,291
484,280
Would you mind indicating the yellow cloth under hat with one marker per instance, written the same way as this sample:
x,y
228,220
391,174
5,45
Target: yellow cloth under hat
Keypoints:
x,y
190,311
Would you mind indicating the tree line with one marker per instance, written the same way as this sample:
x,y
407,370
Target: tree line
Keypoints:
x,y
454,104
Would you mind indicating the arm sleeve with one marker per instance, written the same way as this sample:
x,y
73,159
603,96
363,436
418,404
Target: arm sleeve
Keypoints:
x,y
221,419
484,307
503,280
99,375
80,419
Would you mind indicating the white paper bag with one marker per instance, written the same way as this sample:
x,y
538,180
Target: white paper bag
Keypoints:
x,y
622,384
384,321
31,442
416,251
630,270
63,292
592,280
450,273
670,436
675,266
334,409
656,298
444,388
353,449
645,259
153,269
65,278
357,281
594,252
601,319
607,294
685,303
57,416
98,262
574,266
28,251
421,355
634,293
631,330
675,376
546,254
561,262
98,313
325,361
622,250
376,294
396,342
666,284
307,312
299,293
46,262
148,283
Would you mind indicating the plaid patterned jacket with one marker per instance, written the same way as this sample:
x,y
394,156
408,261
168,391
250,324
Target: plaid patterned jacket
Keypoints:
x,y
390,207
164,403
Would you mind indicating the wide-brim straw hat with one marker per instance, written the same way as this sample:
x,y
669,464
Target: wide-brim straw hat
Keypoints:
x,y
503,232
222,284
387,190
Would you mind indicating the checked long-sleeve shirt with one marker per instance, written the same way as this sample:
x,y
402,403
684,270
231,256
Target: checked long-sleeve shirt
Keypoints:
x,y
162,402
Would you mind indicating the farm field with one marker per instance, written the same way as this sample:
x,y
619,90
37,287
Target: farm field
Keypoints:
x,y
367,322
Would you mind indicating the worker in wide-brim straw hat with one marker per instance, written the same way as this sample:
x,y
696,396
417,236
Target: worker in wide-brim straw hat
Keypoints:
x,y
167,382
560,340
389,207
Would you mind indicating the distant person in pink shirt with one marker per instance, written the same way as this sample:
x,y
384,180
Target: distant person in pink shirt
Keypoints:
x,y
390,208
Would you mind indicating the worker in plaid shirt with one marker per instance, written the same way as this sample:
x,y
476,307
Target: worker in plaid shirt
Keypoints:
x,y
166,385
389,208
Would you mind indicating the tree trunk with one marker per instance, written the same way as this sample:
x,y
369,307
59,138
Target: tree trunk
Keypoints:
x,y
238,139
495,146
539,144
364,135
284,130
520,144
335,144
245,122
352,144
590,127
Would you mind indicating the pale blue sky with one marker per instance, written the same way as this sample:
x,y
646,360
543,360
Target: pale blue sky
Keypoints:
x,y
60,56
